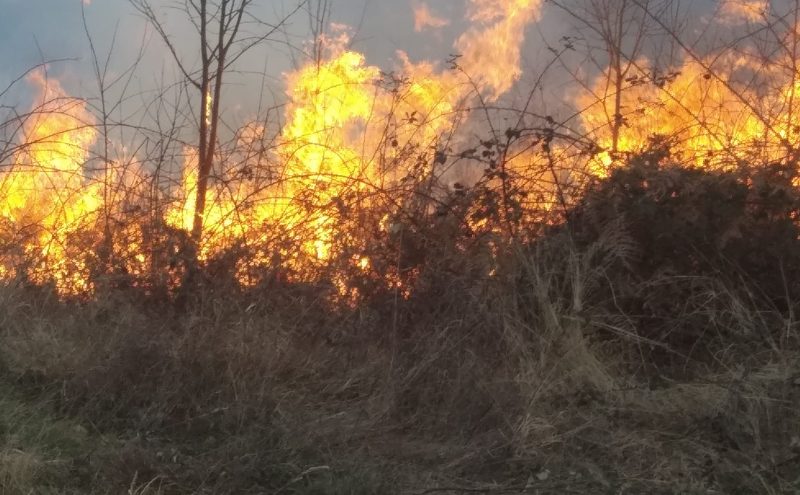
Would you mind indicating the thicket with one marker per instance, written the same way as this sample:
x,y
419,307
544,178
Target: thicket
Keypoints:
x,y
659,314
684,241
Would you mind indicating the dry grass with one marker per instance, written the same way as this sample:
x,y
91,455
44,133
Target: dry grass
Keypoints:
x,y
519,383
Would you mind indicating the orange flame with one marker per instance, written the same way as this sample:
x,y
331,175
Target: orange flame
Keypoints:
x,y
491,50
45,193
711,118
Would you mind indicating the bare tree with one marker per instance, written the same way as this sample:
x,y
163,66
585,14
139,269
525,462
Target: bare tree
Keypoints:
x,y
619,31
104,108
226,29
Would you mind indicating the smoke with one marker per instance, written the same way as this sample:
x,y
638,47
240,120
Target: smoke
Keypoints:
x,y
424,18
741,11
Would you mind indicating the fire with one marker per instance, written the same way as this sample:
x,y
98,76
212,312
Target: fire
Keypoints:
x,y
44,192
712,118
354,138
330,105
209,101
491,50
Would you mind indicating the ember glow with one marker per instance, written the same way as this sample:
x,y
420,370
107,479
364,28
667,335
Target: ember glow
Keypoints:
x,y
356,137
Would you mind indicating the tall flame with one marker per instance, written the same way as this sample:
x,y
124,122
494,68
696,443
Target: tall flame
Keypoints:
x,y
491,50
44,192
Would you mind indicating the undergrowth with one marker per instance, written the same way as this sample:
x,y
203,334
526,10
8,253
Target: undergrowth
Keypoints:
x,y
648,344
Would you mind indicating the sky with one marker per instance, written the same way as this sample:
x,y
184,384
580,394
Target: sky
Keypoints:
x,y
32,31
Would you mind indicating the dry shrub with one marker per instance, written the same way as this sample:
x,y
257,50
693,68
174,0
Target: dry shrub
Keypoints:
x,y
712,256
589,349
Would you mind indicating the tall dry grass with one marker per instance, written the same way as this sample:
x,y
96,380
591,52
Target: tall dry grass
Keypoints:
x,y
530,372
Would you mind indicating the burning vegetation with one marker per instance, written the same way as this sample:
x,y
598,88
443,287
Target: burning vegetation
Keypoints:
x,y
357,142
437,251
